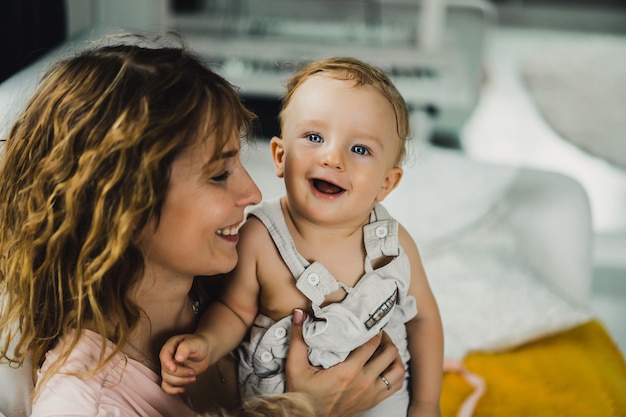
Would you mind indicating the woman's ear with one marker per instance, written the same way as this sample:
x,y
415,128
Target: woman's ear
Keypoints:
x,y
278,155
391,181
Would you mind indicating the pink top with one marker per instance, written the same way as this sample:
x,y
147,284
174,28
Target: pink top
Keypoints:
x,y
124,387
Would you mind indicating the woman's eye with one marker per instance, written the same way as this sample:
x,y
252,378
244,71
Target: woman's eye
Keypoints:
x,y
360,150
221,177
314,137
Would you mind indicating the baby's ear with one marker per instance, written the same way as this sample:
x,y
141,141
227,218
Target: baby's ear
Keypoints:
x,y
392,179
278,155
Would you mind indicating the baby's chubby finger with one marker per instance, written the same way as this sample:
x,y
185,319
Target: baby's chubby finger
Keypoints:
x,y
168,353
190,349
173,388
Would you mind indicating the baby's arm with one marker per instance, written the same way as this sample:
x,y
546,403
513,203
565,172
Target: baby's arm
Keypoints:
x,y
425,337
222,326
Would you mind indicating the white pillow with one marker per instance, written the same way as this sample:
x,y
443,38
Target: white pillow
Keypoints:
x,y
489,297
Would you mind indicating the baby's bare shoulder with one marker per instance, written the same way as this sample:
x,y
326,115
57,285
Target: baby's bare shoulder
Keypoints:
x,y
253,232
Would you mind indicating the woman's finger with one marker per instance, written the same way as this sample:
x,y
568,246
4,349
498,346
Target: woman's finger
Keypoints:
x,y
297,360
386,362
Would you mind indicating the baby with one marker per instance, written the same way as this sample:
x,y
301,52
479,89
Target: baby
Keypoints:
x,y
328,247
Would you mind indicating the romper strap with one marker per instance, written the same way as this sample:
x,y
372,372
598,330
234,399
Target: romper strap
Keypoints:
x,y
316,282
271,215
380,236
312,279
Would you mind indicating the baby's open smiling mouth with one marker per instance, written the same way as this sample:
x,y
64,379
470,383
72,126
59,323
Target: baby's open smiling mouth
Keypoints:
x,y
326,187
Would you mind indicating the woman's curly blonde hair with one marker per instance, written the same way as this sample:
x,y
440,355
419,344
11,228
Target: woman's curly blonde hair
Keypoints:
x,y
85,168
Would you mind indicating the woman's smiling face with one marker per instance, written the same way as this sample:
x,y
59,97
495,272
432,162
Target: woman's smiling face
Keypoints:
x,y
197,231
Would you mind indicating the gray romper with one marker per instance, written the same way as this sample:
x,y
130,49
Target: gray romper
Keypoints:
x,y
379,299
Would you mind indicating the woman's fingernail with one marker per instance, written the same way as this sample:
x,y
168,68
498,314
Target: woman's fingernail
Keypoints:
x,y
298,316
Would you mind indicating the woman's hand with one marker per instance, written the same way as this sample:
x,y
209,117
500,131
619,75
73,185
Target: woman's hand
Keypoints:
x,y
351,387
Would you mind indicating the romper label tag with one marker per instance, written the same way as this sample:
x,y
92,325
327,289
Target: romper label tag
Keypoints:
x,y
382,311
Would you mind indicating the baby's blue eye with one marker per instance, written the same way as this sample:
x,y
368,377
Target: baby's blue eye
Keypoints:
x,y
314,137
360,150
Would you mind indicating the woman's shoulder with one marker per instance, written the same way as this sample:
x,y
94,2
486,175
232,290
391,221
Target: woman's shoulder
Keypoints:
x,y
84,356
121,385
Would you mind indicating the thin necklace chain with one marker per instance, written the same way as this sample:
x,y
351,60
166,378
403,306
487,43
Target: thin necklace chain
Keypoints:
x,y
154,366
195,308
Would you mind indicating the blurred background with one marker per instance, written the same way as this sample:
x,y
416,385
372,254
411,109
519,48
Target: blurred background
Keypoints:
x,y
530,83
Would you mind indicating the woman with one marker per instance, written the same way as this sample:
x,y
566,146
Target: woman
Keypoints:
x,y
121,183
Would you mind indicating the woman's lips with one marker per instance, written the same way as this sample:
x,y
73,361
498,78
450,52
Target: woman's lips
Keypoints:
x,y
230,233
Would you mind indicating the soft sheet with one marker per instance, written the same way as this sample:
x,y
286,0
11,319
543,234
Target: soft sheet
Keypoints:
x,y
579,372
490,297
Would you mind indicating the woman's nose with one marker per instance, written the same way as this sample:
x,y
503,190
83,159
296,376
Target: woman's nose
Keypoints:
x,y
249,193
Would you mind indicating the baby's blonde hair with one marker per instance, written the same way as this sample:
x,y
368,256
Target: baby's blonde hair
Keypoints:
x,y
86,168
280,405
363,74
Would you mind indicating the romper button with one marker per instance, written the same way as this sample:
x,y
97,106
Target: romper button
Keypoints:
x,y
280,332
381,232
266,357
313,278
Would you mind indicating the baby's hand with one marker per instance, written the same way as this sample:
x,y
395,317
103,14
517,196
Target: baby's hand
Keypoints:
x,y
183,357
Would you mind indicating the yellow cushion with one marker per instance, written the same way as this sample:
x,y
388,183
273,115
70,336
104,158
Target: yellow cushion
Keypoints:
x,y
580,372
